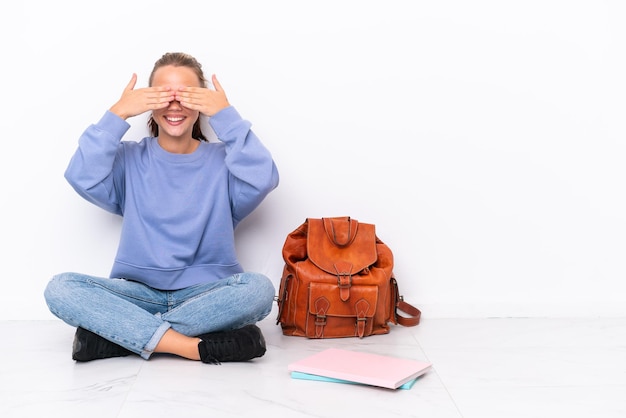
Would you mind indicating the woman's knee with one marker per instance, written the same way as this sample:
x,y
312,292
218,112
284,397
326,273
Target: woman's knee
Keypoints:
x,y
54,286
61,286
263,286
56,293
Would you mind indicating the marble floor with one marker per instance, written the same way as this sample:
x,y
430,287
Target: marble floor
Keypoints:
x,y
482,368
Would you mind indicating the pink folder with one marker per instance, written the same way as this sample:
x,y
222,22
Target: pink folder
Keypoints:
x,y
371,369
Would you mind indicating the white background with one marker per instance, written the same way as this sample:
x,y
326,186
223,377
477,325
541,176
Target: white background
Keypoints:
x,y
485,139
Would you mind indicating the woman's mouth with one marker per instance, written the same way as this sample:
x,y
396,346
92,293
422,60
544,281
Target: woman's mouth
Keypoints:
x,y
173,120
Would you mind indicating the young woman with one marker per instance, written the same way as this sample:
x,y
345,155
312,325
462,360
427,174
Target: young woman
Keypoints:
x,y
176,285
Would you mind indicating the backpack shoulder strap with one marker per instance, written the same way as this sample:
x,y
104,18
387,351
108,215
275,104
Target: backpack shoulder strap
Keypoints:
x,y
414,314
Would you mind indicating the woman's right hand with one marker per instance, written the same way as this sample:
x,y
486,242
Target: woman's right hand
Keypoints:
x,y
135,102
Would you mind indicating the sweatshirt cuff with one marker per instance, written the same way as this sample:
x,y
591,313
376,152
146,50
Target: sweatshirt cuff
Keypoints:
x,y
223,119
113,124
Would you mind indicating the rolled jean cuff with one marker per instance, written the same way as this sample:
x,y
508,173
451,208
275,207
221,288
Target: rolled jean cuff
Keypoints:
x,y
154,341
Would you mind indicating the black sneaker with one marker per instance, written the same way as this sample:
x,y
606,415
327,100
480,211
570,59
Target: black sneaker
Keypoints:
x,y
241,344
89,346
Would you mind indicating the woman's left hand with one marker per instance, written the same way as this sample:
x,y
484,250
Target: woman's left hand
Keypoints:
x,y
204,100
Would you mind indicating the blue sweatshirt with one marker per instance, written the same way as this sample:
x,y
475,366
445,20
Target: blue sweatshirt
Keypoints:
x,y
179,210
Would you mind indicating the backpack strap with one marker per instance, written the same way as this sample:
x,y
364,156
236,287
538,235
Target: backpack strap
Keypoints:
x,y
414,314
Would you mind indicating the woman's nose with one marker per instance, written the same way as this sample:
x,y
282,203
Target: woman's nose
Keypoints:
x,y
175,104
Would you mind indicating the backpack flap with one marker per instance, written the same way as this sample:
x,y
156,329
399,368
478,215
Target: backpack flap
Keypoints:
x,y
341,246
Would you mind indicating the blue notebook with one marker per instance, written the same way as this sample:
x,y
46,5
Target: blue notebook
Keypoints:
x,y
308,376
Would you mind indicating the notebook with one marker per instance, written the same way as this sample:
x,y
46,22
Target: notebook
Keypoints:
x,y
359,367
308,376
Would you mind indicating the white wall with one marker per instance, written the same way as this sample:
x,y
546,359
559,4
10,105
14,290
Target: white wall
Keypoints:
x,y
485,139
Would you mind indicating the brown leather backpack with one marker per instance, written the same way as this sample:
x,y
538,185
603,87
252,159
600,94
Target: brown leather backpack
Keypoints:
x,y
338,281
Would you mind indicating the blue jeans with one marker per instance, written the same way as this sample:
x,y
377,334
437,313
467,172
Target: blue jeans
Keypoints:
x,y
136,316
